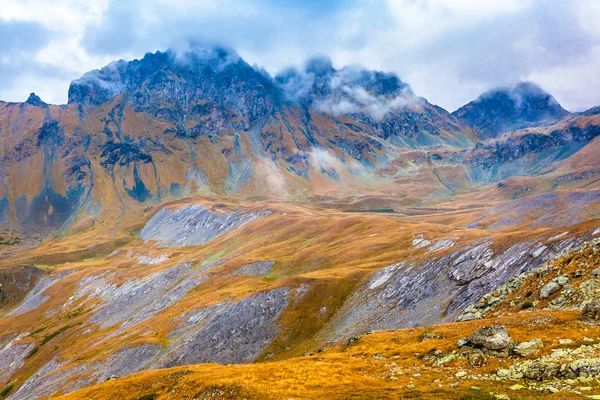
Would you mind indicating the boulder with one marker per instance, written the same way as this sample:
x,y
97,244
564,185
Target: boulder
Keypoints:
x,y
553,286
591,311
548,290
470,316
531,347
493,340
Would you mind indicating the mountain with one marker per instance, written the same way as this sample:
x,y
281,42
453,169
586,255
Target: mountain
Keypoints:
x,y
204,121
188,208
509,109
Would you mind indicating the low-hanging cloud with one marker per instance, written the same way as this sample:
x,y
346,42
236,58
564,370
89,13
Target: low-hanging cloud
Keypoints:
x,y
349,90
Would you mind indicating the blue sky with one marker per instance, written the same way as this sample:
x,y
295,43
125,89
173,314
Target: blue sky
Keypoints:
x,y
449,51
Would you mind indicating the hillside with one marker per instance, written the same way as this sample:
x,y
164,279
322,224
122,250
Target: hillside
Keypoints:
x,y
554,355
187,209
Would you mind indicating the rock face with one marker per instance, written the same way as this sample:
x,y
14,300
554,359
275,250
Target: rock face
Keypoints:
x,y
54,376
591,311
492,340
36,296
440,288
509,109
12,355
193,225
228,333
16,282
257,268
176,124
567,281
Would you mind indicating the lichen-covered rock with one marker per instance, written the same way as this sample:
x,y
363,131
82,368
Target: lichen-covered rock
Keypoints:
x,y
529,348
591,311
493,340
549,289
470,316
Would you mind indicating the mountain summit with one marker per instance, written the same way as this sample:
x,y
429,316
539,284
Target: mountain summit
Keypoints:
x,y
508,109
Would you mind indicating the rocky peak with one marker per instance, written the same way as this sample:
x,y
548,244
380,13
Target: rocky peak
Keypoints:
x,y
349,90
35,100
506,109
199,90
195,66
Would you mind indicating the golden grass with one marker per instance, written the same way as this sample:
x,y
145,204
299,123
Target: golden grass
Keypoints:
x,y
358,371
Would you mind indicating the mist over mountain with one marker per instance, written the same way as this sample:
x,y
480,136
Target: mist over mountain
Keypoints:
x,y
509,109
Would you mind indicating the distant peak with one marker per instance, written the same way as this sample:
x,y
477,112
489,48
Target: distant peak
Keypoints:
x,y
319,65
508,108
204,53
520,91
35,100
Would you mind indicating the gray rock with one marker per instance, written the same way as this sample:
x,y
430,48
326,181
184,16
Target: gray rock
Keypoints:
x,y
470,316
549,289
136,301
36,297
61,376
437,289
531,347
493,340
12,355
228,333
257,268
193,225
562,280
591,311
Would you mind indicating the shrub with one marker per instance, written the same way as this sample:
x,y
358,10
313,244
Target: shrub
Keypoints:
x,y
526,304
32,352
6,391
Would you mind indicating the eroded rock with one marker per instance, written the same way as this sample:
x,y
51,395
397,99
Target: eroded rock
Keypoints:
x,y
493,340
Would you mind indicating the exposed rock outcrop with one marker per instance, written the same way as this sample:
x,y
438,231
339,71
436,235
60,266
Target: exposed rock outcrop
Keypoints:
x,y
194,225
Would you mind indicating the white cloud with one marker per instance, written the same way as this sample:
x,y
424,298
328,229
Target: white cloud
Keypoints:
x,y
449,51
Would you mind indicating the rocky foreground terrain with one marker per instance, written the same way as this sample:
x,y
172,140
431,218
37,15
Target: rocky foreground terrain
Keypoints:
x,y
188,226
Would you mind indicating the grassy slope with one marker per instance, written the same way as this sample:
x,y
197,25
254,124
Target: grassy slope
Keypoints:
x,y
381,365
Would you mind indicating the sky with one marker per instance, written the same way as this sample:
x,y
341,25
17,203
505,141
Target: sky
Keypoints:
x,y
449,51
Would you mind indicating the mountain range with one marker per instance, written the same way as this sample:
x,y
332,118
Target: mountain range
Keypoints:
x,y
189,208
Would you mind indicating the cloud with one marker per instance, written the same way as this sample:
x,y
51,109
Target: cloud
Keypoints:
x,y
450,51
349,90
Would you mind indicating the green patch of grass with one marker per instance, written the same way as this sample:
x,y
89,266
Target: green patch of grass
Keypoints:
x,y
10,242
33,352
54,334
39,330
6,391
213,258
